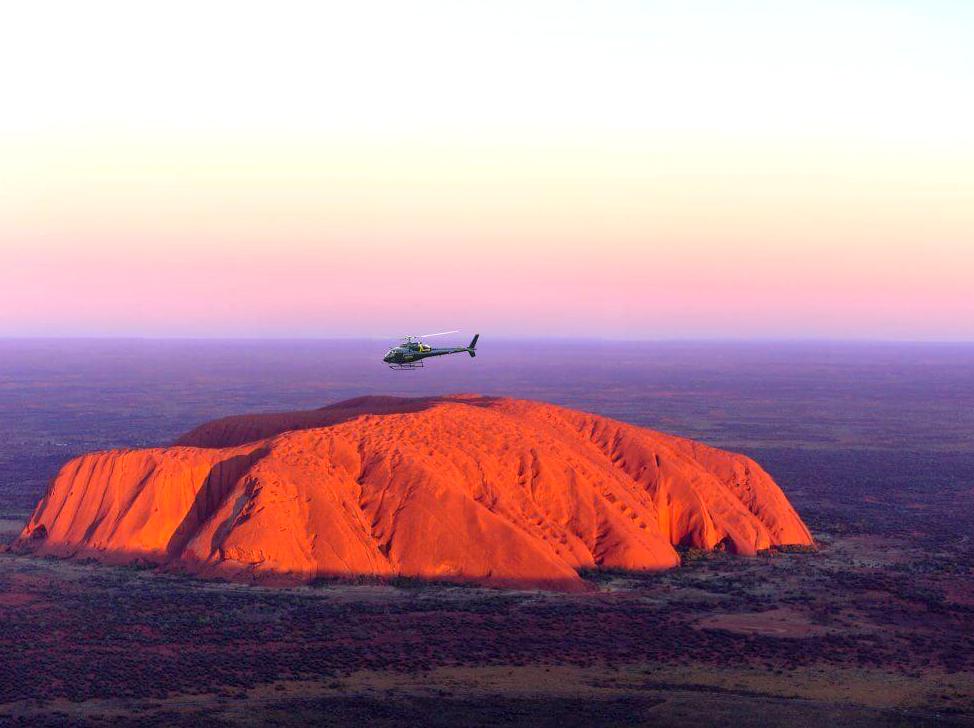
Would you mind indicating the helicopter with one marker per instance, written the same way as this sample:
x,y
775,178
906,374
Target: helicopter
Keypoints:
x,y
411,352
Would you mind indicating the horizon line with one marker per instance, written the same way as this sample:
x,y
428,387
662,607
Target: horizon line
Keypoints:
x,y
504,338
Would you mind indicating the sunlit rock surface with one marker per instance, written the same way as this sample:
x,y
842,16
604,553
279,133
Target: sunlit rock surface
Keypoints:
x,y
464,488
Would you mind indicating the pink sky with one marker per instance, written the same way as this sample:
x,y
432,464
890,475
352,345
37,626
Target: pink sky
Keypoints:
x,y
641,173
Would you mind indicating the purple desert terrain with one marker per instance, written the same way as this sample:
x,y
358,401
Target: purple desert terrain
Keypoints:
x,y
872,444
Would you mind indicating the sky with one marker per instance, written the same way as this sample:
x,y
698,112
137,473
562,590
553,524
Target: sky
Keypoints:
x,y
635,170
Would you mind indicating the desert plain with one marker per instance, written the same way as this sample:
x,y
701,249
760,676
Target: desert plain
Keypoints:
x,y
871,443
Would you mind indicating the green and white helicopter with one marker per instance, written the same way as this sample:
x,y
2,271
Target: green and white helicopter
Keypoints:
x,y
412,351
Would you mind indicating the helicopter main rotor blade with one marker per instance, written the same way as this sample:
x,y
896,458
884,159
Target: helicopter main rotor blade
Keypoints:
x,y
439,333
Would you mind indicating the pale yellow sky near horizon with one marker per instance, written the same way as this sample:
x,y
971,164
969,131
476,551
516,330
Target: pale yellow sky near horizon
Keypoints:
x,y
631,169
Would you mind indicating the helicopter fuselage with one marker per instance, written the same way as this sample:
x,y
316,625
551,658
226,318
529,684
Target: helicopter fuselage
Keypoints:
x,y
409,354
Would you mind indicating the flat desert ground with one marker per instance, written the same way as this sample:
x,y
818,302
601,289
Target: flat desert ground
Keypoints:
x,y
872,443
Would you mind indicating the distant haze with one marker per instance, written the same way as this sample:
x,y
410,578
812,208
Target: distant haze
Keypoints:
x,y
627,169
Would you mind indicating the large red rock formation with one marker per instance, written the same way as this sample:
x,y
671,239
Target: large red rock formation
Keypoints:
x,y
463,488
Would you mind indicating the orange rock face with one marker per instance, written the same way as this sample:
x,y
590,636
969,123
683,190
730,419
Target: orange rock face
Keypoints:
x,y
462,488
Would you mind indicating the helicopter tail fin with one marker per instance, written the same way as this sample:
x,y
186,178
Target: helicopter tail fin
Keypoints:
x,y
473,345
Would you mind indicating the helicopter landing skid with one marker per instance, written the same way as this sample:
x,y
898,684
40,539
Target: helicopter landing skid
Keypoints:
x,y
407,367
